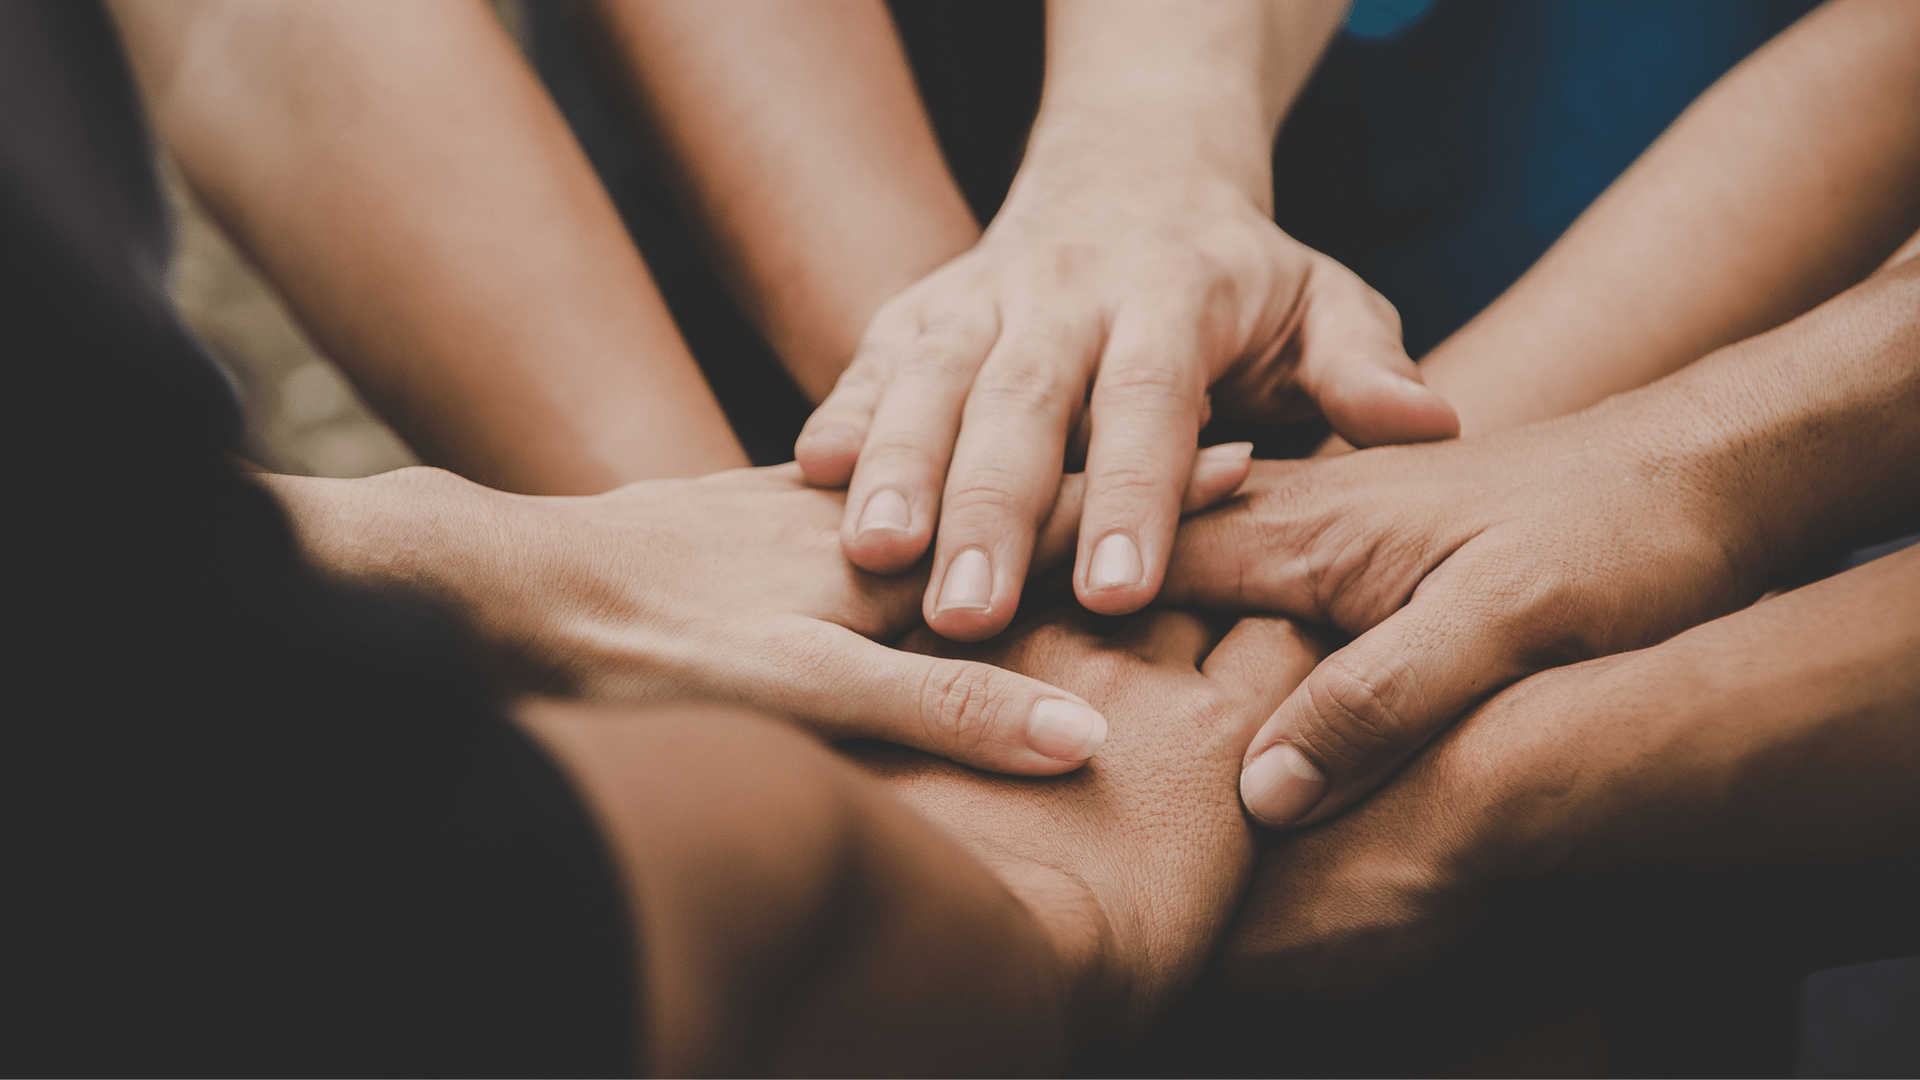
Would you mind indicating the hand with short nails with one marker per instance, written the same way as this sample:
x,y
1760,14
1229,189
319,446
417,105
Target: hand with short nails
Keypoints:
x,y
1132,313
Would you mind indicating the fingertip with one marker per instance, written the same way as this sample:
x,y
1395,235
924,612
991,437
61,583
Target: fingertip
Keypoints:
x,y
1115,581
827,454
883,551
1373,406
961,604
965,624
1065,731
1218,472
1115,601
1281,786
881,535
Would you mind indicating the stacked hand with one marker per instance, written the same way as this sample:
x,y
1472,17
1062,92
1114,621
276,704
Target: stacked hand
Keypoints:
x,y
1113,303
1463,566
1779,736
1132,864
728,588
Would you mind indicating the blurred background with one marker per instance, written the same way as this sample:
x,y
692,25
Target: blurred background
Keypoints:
x,y
302,415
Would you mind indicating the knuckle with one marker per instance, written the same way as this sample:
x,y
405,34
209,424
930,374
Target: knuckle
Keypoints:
x,y
895,452
959,323
1181,266
1026,386
992,488
1356,716
1128,479
1055,265
1148,385
940,360
959,704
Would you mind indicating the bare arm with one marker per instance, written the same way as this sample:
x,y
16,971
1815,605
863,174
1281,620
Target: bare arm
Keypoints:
x,y
1780,738
401,177
791,918
1788,181
1469,564
798,135
794,916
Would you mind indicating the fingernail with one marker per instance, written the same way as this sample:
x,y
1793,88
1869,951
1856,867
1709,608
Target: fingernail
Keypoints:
x,y
1116,561
1281,785
969,582
1227,452
1065,730
832,432
885,509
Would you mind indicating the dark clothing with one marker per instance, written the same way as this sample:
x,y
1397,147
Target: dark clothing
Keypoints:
x,y
256,823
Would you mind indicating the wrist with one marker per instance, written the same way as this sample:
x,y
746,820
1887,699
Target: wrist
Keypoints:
x,y
1166,152
411,528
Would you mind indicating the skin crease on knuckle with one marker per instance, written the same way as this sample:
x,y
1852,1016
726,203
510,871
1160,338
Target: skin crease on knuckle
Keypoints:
x,y
1352,722
959,706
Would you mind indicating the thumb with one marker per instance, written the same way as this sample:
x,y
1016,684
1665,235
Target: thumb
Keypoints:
x,y
1368,706
964,710
1354,367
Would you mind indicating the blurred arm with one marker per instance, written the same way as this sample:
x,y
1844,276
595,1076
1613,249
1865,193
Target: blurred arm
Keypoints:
x,y
792,919
1788,181
798,135
401,177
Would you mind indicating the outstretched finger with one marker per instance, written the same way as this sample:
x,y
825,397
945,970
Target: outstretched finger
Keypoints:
x,y
1005,476
1146,407
846,686
1218,472
1355,368
829,445
893,500
1365,708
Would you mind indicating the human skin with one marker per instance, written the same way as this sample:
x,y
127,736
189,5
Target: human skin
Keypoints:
x,y
1786,182
1135,255
794,129
1778,738
1467,565
796,916
730,588
403,180
1148,842
791,918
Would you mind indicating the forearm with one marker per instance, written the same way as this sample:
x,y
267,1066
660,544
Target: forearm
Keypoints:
x,y
1163,90
1803,437
1797,729
404,529
1788,181
799,138
791,918
401,177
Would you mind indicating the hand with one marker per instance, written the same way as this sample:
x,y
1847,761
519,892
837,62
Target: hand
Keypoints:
x,y
1153,286
1463,566
730,588
1778,738
1132,864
